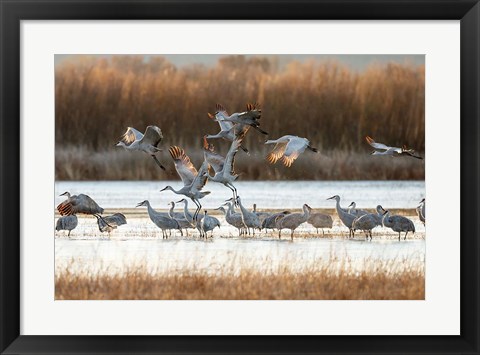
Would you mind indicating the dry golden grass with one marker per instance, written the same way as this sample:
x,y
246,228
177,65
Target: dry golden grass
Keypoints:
x,y
330,104
319,283
81,163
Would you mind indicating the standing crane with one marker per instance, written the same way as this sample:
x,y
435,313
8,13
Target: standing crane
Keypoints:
x,y
67,223
293,220
369,221
346,218
398,224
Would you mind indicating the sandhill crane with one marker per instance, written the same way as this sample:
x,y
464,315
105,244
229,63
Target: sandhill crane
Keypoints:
x,y
67,223
293,220
249,117
148,142
233,218
271,221
250,219
228,130
159,219
421,211
193,181
398,224
109,223
288,148
180,218
369,221
353,210
345,217
261,215
382,149
207,224
223,167
75,204
320,220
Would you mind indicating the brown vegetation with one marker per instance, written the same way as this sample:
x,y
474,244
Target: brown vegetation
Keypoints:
x,y
335,107
381,282
75,163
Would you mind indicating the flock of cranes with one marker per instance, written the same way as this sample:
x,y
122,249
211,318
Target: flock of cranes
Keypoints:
x,y
233,128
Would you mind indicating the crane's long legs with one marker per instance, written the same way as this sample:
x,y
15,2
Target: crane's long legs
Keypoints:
x,y
259,130
158,162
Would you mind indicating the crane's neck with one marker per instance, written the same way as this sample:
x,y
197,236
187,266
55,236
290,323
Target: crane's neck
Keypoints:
x,y
243,209
188,215
170,212
306,212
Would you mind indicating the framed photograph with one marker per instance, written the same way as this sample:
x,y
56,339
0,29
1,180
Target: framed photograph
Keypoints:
x,y
215,177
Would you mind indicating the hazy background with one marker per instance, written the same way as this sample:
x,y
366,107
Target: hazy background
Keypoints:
x,y
333,100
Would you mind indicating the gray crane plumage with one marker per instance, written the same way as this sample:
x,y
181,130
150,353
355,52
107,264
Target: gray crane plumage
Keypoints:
x,y
249,117
75,204
346,218
109,223
133,139
369,221
233,218
250,219
193,180
207,224
224,167
66,223
352,209
320,220
293,220
160,220
271,221
421,211
228,130
398,224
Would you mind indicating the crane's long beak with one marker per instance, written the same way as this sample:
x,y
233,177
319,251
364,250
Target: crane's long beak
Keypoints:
x,y
330,198
139,204
163,189
63,194
385,212
350,205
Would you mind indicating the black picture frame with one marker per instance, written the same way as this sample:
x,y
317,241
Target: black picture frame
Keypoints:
x,y
12,12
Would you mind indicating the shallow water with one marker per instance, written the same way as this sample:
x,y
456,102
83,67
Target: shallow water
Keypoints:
x,y
140,243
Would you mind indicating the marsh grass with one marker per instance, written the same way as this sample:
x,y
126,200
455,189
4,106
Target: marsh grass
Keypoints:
x,y
333,106
82,163
379,280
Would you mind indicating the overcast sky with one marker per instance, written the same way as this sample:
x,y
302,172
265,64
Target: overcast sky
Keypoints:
x,y
357,62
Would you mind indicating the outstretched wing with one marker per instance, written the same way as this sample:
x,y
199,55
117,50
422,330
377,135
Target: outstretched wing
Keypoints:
x,y
130,136
79,204
230,159
183,165
253,113
153,136
201,179
116,219
295,147
277,152
376,145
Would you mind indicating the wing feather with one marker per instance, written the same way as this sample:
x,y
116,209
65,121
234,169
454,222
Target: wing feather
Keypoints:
x,y
277,152
131,135
376,145
183,165
230,159
153,136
